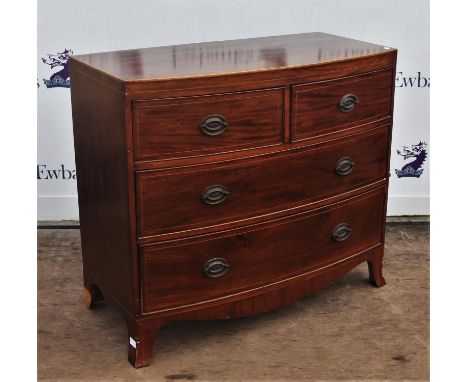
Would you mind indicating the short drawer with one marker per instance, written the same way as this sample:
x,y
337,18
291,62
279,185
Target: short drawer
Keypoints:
x,y
328,106
192,126
184,199
189,271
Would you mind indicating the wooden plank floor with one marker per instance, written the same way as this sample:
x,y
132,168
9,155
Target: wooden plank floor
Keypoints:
x,y
348,332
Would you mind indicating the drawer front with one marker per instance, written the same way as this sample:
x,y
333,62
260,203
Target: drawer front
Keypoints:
x,y
329,106
194,270
192,126
184,199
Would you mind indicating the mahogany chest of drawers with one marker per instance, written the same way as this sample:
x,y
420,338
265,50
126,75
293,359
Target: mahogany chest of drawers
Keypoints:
x,y
224,179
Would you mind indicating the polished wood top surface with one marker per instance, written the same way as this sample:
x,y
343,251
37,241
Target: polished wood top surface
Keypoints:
x,y
229,57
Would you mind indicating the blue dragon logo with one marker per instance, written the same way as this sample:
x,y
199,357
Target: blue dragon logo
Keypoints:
x,y
413,169
61,78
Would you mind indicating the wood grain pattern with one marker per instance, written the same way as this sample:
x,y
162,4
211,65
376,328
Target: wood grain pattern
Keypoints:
x,y
244,304
264,79
225,57
171,201
316,110
172,273
170,128
102,179
267,297
261,152
308,57
142,165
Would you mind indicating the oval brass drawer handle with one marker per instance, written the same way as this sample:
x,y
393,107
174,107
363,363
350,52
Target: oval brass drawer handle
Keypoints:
x,y
348,103
216,267
341,232
344,166
215,194
214,124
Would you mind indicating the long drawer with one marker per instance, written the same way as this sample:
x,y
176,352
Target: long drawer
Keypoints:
x,y
183,199
193,126
193,270
328,106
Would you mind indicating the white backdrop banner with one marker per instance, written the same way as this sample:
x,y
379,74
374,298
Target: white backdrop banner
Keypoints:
x,y
67,27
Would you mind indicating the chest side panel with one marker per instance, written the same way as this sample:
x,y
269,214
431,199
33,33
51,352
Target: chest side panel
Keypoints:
x,y
103,186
